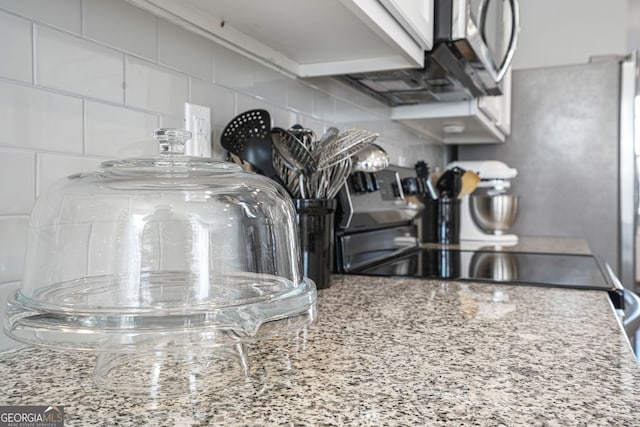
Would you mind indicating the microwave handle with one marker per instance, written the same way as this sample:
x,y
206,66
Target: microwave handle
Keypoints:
x,y
513,39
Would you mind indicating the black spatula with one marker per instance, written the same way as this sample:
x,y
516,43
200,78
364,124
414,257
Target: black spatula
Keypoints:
x,y
248,136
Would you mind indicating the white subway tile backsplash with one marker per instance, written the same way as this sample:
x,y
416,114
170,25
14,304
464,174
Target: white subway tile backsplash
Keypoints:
x,y
52,167
299,97
284,118
217,152
121,25
371,125
32,118
79,66
426,150
15,48
185,51
118,132
13,240
246,102
233,71
315,125
175,122
349,114
17,173
64,14
221,101
154,88
323,106
270,85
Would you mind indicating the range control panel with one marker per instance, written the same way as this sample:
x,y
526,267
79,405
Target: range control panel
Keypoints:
x,y
387,183
371,200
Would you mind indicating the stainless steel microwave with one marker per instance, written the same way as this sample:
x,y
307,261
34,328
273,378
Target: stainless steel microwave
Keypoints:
x,y
475,41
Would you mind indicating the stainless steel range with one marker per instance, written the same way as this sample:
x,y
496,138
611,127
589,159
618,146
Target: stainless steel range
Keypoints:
x,y
378,234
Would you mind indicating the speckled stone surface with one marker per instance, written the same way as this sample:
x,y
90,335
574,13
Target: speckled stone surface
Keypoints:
x,y
390,352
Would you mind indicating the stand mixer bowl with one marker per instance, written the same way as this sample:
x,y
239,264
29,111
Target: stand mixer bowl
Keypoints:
x,y
494,213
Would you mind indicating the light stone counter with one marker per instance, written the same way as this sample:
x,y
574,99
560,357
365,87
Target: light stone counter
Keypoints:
x,y
391,352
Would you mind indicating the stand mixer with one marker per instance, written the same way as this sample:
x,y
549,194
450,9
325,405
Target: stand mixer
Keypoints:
x,y
488,212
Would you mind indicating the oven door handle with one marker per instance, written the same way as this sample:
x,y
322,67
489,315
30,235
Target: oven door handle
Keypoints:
x,y
513,39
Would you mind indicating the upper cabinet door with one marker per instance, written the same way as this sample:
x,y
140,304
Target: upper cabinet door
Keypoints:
x,y
308,38
416,16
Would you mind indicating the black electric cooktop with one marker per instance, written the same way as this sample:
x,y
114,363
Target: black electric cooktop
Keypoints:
x,y
519,268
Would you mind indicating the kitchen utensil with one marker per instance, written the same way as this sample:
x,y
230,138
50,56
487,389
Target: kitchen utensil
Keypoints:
x,y
287,175
339,174
248,136
370,159
325,183
424,179
159,255
494,213
428,196
293,151
343,146
448,220
305,135
295,154
470,181
326,139
293,157
449,184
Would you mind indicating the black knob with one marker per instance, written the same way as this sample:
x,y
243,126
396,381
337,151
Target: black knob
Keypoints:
x,y
409,186
368,184
358,182
374,181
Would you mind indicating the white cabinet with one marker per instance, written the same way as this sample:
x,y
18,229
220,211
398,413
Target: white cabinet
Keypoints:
x,y
309,38
416,17
498,108
481,120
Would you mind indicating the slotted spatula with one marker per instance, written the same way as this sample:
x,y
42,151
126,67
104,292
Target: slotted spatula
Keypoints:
x,y
248,136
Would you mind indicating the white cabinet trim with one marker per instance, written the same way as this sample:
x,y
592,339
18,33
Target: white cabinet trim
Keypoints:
x,y
405,52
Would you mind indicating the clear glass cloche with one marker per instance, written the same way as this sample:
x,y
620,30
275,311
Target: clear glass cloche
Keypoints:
x,y
160,253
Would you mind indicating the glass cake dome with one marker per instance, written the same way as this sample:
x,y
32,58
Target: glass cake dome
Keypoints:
x,y
160,254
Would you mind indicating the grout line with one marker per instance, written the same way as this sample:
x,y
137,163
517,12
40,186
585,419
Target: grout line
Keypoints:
x,y
37,175
82,29
63,92
33,55
235,102
213,63
157,40
14,216
84,127
124,79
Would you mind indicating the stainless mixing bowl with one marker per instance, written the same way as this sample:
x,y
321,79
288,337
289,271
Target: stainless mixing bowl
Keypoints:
x,y
494,213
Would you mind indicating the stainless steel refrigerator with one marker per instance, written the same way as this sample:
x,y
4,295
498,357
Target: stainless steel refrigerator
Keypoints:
x,y
575,141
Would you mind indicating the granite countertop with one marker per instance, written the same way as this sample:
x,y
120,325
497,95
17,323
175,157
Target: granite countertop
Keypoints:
x,y
389,352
